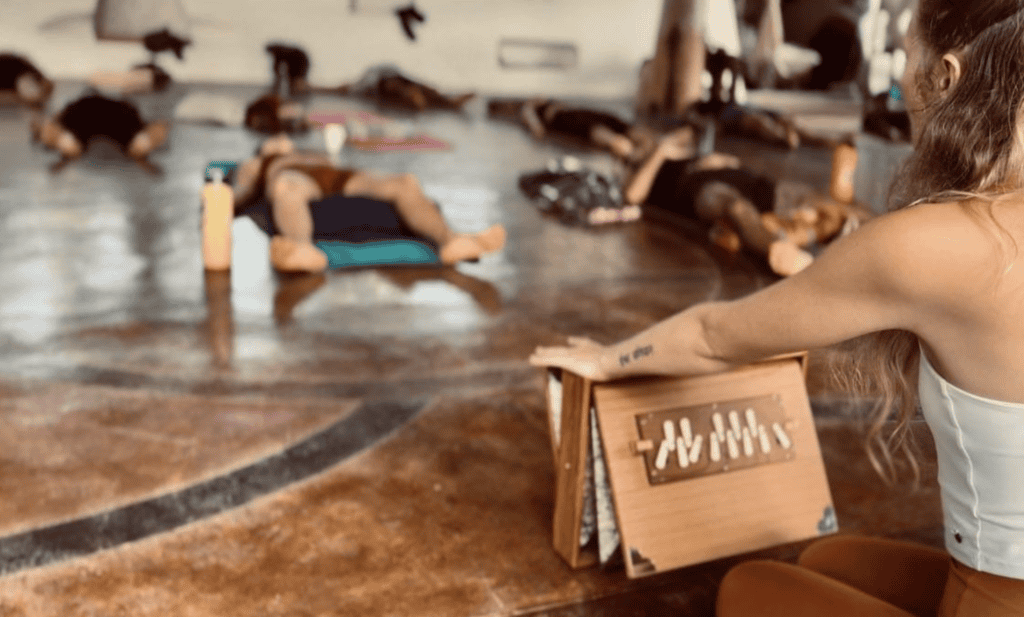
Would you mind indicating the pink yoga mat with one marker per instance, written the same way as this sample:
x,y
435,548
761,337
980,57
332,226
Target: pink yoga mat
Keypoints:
x,y
386,144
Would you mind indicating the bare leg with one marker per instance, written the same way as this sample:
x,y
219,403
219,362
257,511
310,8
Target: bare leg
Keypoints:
x,y
293,250
718,200
132,81
621,145
770,128
32,90
531,118
423,217
51,134
148,139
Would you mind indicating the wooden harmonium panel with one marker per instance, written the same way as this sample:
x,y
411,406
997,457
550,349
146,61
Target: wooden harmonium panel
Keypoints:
x,y
688,442
690,469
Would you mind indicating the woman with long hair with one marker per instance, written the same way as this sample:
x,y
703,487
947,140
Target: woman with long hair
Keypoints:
x,y
934,294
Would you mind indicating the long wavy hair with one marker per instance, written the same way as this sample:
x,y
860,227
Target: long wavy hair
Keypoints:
x,y
968,149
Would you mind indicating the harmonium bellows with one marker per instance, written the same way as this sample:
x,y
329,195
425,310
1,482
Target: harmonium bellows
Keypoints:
x,y
670,472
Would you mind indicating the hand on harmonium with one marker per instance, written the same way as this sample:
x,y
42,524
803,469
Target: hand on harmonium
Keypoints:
x,y
582,356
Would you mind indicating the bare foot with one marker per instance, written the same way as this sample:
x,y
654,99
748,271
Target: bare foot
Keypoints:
x,y
464,247
148,139
290,256
786,258
723,236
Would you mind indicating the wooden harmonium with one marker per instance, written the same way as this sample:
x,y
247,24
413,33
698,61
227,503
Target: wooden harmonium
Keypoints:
x,y
669,472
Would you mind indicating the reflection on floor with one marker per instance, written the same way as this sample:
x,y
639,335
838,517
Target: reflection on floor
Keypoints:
x,y
358,443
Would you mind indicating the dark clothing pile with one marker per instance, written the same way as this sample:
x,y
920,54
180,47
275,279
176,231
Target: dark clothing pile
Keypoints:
x,y
571,195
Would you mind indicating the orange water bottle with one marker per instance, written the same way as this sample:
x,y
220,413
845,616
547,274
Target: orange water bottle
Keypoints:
x,y
844,167
218,213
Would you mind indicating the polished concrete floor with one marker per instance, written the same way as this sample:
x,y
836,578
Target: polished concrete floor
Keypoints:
x,y
364,442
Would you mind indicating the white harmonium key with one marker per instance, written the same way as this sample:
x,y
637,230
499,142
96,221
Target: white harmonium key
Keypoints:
x,y
781,435
698,441
751,417
687,431
719,426
681,453
714,450
670,433
748,443
734,423
733,447
762,437
661,461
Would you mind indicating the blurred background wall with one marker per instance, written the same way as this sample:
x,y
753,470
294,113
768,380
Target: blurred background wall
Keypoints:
x,y
457,47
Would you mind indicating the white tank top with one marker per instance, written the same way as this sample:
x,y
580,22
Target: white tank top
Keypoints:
x,y
980,444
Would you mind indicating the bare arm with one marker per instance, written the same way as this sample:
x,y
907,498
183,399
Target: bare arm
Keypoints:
x,y
675,146
532,120
639,185
881,277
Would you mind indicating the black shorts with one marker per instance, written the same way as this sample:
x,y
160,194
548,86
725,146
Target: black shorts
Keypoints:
x,y
580,123
344,218
675,189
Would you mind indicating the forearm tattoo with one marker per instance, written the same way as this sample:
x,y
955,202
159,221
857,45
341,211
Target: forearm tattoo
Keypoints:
x,y
639,352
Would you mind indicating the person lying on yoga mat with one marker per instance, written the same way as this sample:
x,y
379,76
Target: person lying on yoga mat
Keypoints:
x,y
928,301
739,205
292,180
92,116
22,82
599,129
388,87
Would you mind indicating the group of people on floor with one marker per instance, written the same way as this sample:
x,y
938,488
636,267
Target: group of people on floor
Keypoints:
x,y
931,295
293,183
666,172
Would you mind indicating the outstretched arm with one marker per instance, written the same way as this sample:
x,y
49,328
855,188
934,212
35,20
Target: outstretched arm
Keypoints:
x,y
854,288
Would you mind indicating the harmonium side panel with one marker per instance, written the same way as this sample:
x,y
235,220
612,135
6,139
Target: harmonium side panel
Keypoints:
x,y
702,517
568,414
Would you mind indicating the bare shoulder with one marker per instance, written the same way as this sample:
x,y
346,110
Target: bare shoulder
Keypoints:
x,y
929,249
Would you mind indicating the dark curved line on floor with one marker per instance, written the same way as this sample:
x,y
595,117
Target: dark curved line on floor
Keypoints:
x,y
88,535
411,387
